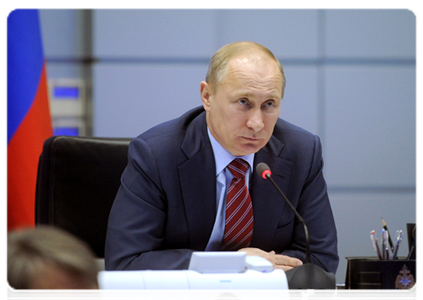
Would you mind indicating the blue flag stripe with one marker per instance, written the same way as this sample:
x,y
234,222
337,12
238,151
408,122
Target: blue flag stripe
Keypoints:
x,y
24,65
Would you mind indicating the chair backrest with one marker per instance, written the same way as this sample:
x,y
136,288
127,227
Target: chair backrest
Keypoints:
x,y
78,178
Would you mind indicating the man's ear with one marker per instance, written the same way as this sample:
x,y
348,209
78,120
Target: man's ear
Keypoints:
x,y
205,94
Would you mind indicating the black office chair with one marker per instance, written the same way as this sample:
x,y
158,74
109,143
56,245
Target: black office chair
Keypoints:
x,y
78,178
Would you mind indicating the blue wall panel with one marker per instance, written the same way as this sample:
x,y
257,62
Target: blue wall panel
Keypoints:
x,y
300,104
287,33
375,34
64,33
133,98
153,33
370,126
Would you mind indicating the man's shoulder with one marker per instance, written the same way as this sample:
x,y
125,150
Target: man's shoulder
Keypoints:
x,y
285,130
171,142
172,128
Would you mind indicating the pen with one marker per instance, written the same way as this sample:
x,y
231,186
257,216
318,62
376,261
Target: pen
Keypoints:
x,y
389,236
399,239
375,244
383,244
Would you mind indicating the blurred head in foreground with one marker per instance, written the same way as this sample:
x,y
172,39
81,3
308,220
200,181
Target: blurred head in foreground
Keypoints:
x,y
49,258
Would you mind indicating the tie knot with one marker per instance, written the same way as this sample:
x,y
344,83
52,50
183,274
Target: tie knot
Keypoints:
x,y
238,167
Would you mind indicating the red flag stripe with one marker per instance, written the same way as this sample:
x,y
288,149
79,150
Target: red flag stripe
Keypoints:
x,y
23,153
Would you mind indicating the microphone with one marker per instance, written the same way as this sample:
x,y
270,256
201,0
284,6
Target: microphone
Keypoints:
x,y
307,276
264,171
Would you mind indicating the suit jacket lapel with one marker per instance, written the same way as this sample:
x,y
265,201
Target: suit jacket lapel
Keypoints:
x,y
268,204
198,183
198,186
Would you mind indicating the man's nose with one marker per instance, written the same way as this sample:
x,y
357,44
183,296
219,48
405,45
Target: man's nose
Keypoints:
x,y
255,120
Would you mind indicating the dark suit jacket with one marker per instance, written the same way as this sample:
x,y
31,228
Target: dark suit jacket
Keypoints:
x,y
166,205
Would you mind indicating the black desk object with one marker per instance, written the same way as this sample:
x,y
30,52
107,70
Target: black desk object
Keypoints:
x,y
372,273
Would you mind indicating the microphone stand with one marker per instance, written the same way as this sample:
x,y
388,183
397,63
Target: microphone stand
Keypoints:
x,y
308,275
308,260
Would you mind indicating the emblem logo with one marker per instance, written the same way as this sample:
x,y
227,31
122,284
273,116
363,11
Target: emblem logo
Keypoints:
x,y
405,280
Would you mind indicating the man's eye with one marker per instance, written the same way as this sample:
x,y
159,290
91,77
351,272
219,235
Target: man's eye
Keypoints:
x,y
269,104
243,102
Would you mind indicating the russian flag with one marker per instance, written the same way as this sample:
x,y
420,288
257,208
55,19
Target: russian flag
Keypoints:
x,y
28,114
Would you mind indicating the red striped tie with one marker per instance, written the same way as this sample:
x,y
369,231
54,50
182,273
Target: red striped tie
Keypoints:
x,y
239,209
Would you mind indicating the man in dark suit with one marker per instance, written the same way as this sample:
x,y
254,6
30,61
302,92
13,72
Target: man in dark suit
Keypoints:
x,y
173,192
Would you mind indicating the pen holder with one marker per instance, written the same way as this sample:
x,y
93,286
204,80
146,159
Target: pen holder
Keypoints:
x,y
372,273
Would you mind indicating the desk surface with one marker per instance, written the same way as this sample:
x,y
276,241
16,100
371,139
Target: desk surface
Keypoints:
x,y
339,297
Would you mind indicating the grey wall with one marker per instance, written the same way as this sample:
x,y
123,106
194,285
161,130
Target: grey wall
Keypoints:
x,y
351,79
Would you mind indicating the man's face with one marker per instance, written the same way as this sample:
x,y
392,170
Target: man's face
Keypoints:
x,y
244,108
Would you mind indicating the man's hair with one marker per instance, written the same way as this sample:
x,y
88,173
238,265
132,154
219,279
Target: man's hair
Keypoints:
x,y
219,61
30,251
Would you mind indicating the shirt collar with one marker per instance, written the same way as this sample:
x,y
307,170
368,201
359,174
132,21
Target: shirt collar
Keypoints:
x,y
223,157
